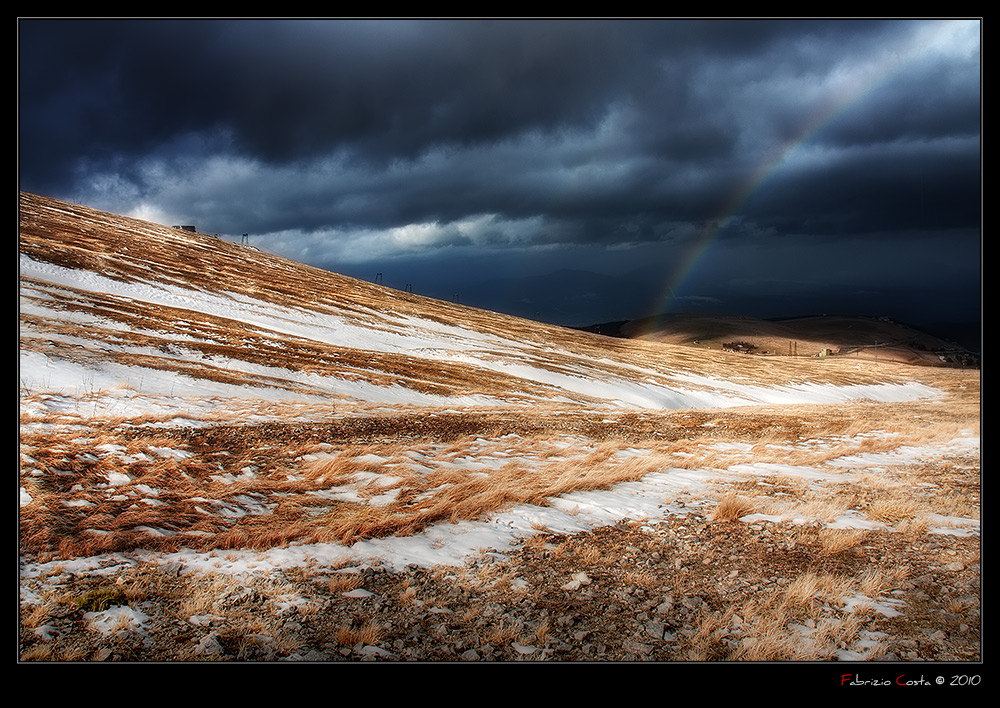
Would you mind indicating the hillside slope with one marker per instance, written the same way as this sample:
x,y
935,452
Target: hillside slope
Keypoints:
x,y
228,455
112,294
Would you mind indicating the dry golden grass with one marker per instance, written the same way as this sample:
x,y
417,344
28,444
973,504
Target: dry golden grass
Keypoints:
x,y
408,596
502,633
344,582
291,489
77,237
804,588
641,579
341,470
730,508
542,631
795,623
202,595
369,633
913,527
770,639
878,582
37,615
247,486
589,555
893,510
834,541
39,652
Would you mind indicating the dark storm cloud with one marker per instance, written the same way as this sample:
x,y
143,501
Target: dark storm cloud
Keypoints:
x,y
285,90
353,141
894,188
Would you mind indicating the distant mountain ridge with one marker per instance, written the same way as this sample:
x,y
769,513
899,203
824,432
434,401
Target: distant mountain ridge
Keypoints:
x,y
856,336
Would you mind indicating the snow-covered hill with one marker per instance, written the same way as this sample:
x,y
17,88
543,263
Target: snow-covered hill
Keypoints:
x,y
111,304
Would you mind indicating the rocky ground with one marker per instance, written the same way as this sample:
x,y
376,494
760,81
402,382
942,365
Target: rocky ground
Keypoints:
x,y
684,589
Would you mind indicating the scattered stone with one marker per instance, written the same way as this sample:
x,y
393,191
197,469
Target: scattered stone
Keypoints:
x,y
578,580
172,569
376,652
209,645
640,648
601,614
655,629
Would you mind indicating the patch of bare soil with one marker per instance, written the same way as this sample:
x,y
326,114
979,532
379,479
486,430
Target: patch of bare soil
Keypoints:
x,y
684,589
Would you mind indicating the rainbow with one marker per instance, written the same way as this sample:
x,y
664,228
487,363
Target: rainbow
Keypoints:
x,y
863,83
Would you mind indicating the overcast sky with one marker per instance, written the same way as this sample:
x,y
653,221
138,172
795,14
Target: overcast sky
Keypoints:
x,y
577,171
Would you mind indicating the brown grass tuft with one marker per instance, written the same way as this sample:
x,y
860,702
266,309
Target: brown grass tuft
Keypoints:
x,y
834,541
502,633
369,633
731,507
344,582
894,509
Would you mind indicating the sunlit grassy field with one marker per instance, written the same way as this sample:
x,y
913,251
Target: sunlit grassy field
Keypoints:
x,y
179,393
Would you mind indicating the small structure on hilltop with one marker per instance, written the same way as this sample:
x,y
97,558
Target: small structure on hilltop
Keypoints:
x,y
187,227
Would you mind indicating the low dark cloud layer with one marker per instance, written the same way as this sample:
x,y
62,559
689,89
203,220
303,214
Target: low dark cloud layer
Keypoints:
x,y
649,152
